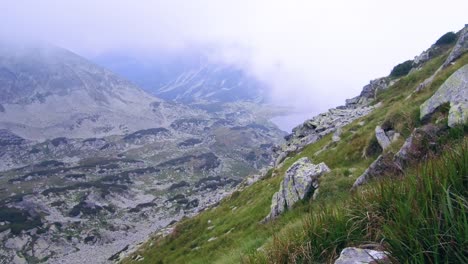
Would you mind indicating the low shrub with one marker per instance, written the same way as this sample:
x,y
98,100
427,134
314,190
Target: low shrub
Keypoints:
x,y
402,69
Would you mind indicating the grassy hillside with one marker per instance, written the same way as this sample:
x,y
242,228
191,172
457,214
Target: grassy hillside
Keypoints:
x,y
424,212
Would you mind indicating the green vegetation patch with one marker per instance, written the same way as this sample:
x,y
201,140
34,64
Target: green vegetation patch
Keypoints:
x,y
316,231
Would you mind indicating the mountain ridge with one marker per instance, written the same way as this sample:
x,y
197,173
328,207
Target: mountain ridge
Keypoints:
x,y
382,151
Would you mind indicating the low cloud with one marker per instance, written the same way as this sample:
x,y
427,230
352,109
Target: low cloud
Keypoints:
x,y
312,54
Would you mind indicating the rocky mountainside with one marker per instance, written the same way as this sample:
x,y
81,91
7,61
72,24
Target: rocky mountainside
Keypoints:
x,y
90,164
50,92
187,78
382,178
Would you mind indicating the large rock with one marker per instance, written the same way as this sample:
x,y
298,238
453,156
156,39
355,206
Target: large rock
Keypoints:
x,y
454,91
300,182
420,144
381,167
417,145
352,255
382,138
460,47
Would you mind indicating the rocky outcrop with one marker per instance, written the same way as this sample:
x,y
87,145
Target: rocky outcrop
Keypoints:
x,y
460,47
380,167
317,127
417,146
352,255
454,91
300,182
369,92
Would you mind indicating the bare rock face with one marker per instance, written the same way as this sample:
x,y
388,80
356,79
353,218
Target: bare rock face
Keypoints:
x,y
352,255
460,47
382,165
454,91
300,182
416,147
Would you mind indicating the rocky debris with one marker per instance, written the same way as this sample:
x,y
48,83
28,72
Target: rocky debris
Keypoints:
x,y
369,93
422,58
460,47
317,127
300,182
251,179
353,255
454,91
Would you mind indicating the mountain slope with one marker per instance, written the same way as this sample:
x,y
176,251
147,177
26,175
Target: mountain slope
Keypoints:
x,y
91,164
398,216
49,92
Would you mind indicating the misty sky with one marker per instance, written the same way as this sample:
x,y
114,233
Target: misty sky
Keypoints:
x,y
313,54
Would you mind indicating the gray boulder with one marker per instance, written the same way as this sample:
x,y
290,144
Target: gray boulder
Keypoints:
x,y
383,165
382,138
300,182
352,255
417,145
454,91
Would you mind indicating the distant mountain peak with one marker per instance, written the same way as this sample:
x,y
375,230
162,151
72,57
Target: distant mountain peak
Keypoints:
x,y
187,78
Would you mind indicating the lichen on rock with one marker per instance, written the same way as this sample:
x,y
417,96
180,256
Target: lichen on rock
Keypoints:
x,y
454,91
352,255
300,182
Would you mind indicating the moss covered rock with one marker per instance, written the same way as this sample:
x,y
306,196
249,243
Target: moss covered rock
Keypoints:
x,y
300,182
454,91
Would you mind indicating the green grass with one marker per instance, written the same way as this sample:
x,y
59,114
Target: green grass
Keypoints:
x,y
315,231
421,219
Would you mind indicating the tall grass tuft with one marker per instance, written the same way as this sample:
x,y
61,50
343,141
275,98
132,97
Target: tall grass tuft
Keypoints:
x,y
422,218
427,221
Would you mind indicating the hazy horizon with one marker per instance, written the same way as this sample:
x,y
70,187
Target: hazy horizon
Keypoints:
x,y
305,52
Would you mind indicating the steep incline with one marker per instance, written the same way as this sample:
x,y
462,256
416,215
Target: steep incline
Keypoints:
x,y
377,135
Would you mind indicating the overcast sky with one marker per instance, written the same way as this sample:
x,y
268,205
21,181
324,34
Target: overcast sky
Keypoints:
x,y
314,54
